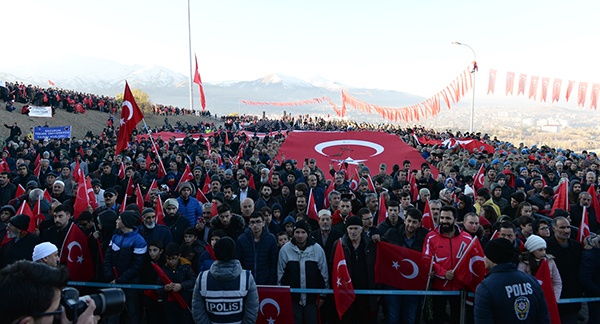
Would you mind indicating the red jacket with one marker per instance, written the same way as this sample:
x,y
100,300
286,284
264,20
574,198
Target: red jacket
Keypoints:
x,y
445,252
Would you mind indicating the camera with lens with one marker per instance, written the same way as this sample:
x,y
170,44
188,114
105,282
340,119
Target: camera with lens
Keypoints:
x,y
109,302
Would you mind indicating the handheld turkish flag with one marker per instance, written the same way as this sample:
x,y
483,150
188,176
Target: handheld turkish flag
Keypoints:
x,y
354,181
121,173
584,226
37,171
312,207
131,115
427,219
371,184
545,280
470,269
90,192
414,188
251,182
595,202
26,210
401,267
148,161
173,295
160,214
47,195
343,290
186,176
77,173
275,304
214,210
561,198
198,81
82,200
201,197
37,160
206,186
139,197
153,185
328,190
382,214
130,187
75,253
479,178
123,204
20,191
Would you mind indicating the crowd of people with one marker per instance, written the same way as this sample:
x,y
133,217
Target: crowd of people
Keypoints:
x,y
238,189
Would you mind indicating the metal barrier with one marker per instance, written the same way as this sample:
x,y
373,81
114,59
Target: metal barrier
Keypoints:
x,y
330,291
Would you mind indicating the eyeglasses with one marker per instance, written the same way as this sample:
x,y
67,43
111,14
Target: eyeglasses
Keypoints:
x,y
57,314
543,228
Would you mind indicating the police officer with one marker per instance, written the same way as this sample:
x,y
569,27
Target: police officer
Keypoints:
x,y
508,295
225,293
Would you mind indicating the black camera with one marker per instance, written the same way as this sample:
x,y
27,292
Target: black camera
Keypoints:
x,y
110,301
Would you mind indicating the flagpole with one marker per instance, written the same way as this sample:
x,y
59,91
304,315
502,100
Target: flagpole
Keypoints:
x,y
427,286
190,56
153,144
461,258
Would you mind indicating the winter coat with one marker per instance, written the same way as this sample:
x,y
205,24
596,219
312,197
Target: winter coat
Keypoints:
x,y
259,257
556,281
192,209
124,257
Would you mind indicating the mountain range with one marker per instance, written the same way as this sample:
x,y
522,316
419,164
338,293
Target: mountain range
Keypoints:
x,y
164,86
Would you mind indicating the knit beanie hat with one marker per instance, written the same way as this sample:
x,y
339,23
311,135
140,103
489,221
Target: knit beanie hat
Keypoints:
x,y
354,220
20,221
129,218
171,202
303,225
499,251
43,250
224,249
534,243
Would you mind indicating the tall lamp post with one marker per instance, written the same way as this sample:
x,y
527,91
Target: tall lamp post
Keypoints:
x,y
474,70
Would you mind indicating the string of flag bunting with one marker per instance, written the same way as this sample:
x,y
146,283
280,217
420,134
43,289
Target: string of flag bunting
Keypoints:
x,y
544,87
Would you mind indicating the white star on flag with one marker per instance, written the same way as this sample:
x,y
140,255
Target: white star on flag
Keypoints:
x,y
80,259
395,265
339,281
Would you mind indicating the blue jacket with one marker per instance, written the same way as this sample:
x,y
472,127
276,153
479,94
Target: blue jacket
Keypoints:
x,y
508,295
190,210
124,257
259,257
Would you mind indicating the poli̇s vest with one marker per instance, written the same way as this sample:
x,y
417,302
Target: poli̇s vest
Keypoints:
x,y
224,300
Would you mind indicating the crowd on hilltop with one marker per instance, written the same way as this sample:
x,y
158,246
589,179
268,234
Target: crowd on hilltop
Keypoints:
x,y
192,192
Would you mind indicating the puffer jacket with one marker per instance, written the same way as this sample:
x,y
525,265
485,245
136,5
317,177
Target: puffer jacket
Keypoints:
x,y
124,257
259,257
191,209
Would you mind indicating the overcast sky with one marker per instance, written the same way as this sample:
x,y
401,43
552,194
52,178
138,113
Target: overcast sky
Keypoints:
x,y
396,45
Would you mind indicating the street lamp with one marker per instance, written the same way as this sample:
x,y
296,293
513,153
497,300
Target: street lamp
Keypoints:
x,y
473,71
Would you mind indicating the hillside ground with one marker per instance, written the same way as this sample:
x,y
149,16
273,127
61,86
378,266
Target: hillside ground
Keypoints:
x,y
82,123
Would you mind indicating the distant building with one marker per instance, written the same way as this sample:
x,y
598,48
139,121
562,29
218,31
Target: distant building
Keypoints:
x,y
551,128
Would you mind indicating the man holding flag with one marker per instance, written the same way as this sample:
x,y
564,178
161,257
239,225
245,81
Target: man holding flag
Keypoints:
x,y
359,254
410,235
446,245
131,115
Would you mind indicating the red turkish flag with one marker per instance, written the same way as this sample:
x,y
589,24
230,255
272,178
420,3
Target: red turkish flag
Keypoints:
x,y
479,178
173,295
595,201
561,198
201,197
312,206
343,290
522,82
26,210
275,304
160,214
569,89
328,190
90,192
371,184
82,200
131,115
533,85
492,81
37,160
545,279
130,187
77,172
354,181
401,267
382,214
470,269
148,161
206,187
153,185
584,226
37,170
47,195
250,181
594,98
545,83
198,81
427,219
186,176
370,148
214,210
414,188
581,93
75,253
556,90
139,197
20,191
121,173
510,82
123,204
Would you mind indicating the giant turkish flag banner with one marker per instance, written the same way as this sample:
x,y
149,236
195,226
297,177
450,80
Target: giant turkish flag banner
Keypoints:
x,y
275,305
401,267
75,253
370,148
470,269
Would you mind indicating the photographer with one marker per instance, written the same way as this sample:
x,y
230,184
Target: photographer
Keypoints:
x,y
34,292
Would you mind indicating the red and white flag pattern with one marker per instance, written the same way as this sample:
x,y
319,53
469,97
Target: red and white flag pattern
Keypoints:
x,y
343,290
75,253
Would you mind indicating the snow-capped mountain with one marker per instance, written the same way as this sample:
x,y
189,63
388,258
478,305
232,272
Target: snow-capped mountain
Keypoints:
x,y
167,87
